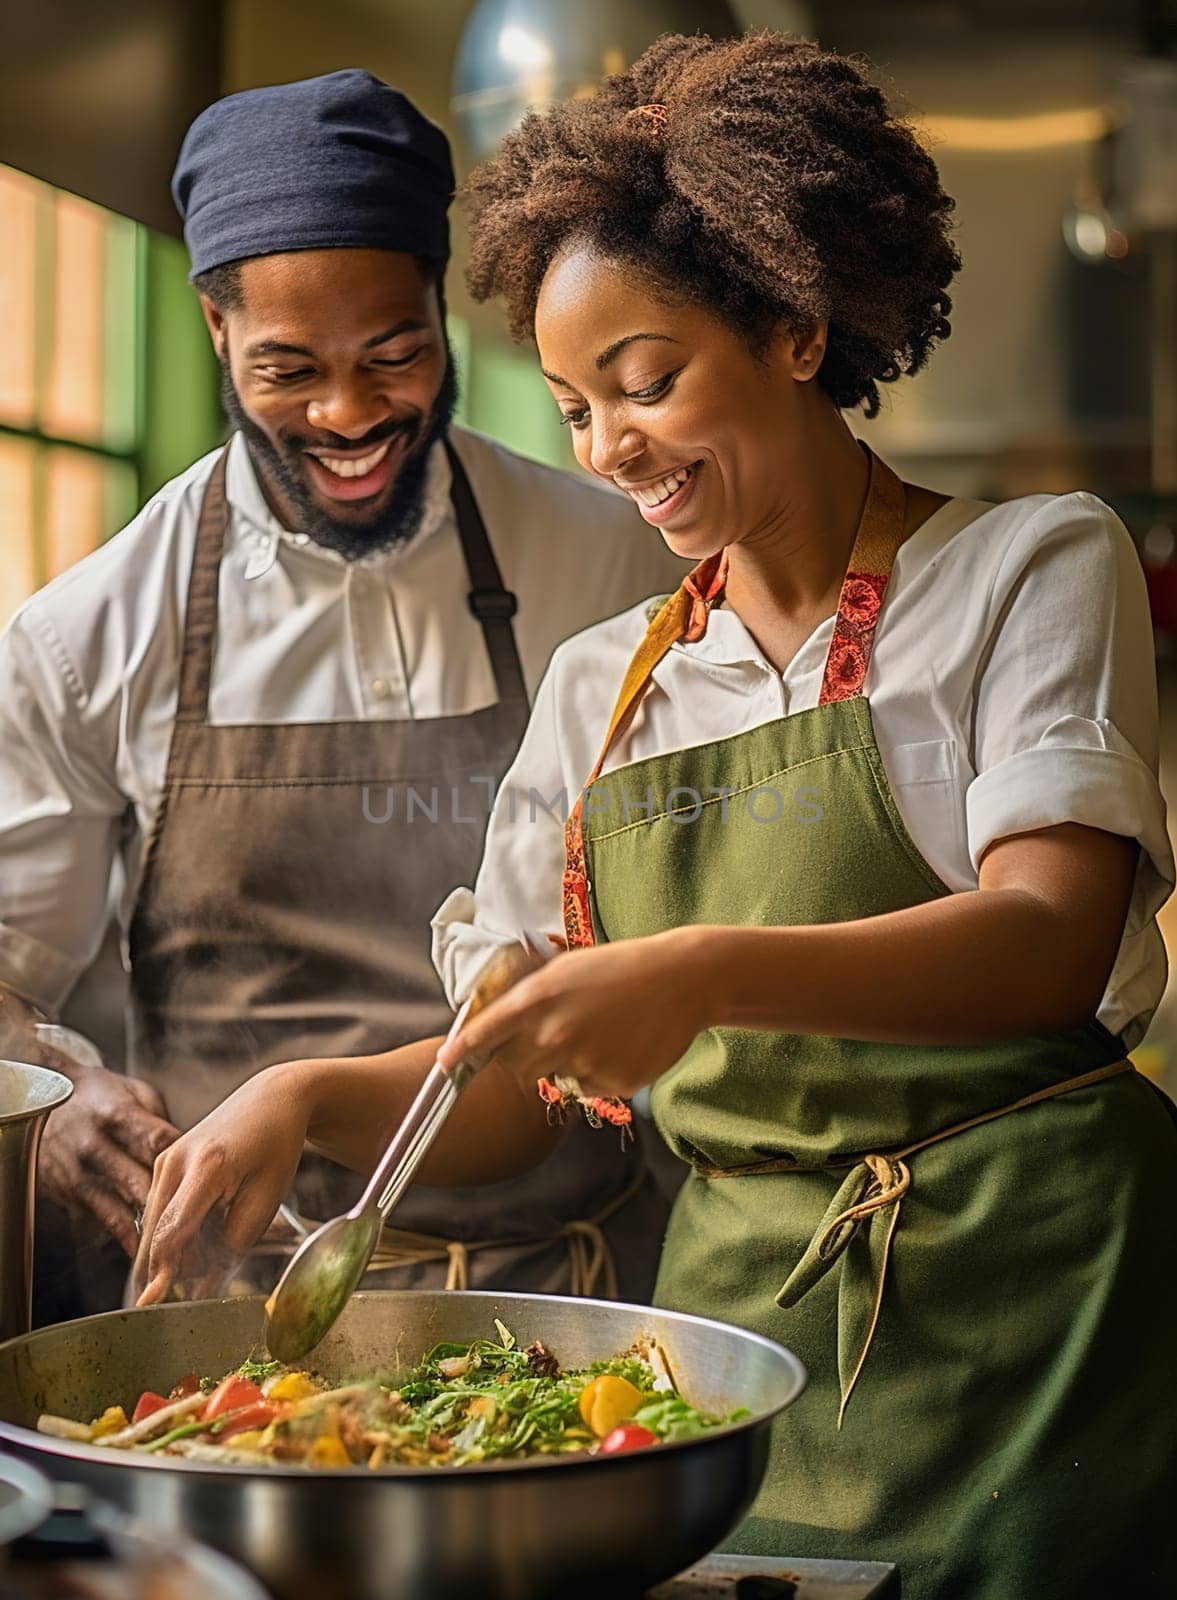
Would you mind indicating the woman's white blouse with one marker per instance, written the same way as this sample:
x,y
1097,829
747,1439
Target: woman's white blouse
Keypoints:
x,y
1012,687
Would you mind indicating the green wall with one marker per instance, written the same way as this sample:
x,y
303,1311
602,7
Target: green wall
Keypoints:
x,y
503,393
182,415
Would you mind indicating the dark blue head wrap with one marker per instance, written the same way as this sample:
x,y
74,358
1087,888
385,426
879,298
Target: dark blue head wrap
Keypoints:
x,y
336,161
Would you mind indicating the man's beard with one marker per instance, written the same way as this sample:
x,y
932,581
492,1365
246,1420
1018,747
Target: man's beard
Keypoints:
x,y
398,518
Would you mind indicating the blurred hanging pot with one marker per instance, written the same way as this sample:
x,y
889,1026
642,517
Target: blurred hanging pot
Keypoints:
x,y
519,54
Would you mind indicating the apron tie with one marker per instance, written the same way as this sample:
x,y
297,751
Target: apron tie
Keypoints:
x,y
849,1232
458,1272
592,1269
590,1258
875,1185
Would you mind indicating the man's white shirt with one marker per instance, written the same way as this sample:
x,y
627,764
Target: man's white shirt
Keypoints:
x,y
89,667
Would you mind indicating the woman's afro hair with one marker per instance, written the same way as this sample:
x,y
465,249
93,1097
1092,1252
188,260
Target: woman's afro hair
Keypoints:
x,y
763,178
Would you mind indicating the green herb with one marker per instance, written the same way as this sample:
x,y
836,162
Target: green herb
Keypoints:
x,y
516,1409
495,1405
258,1371
632,1368
670,1417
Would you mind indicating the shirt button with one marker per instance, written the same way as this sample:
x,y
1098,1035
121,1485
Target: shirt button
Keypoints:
x,y
381,688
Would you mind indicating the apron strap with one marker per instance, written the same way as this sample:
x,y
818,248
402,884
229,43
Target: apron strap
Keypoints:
x,y
684,616
490,602
200,615
880,533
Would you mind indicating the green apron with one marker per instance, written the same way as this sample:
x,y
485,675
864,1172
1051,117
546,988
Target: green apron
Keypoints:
x,y
988,1320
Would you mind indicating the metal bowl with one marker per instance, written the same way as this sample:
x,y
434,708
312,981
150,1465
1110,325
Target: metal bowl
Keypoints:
x,y
26,1499
515,1530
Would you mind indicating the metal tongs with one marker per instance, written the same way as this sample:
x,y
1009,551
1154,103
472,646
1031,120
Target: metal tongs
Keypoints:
x,y
325,1270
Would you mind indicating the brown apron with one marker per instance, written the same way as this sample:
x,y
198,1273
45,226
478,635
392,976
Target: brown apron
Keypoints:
x,y
283,912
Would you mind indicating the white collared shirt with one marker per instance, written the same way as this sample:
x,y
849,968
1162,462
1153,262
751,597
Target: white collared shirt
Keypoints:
x,y
1012,687
89,666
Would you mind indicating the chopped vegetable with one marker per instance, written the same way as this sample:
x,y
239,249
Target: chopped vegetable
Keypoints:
x,y
327,1451
147,1403
670,1417
628,1437
112,1420
290,1386
190,1383
157,1422
540,1359
607,1401
462,1403
63,1428
259,1415
231,1394
184,1431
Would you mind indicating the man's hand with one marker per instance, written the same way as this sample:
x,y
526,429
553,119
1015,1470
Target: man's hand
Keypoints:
x,y
99,1148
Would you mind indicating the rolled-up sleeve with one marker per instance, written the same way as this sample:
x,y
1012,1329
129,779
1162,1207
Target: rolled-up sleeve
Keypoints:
x,y
60,810
1065,710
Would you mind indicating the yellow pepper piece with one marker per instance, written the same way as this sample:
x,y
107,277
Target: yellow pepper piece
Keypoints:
x,y
111,1420
249,1440
608,1401
328,1451
292,1386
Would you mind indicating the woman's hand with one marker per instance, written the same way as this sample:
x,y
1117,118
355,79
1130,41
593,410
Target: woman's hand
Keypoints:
x,y
615,1018
215,1191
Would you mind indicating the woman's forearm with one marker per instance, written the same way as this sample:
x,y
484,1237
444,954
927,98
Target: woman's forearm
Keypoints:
x,y
352,1106
967,969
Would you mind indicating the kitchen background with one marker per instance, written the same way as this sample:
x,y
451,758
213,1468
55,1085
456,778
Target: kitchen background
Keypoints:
x,y
1054,123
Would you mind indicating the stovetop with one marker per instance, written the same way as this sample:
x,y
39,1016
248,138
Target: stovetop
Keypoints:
x,y
762,1578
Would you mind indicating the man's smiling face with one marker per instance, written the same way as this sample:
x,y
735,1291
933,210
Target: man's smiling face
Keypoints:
x,y
336,368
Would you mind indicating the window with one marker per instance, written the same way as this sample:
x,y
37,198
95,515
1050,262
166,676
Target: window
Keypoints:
x,y
80,441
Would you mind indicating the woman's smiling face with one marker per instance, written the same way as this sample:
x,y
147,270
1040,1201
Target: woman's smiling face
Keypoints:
x,y
671,404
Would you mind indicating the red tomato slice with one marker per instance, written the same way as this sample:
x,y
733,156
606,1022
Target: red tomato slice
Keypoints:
x,y
254,1416
187,1385
231,1394
629,1436
147,1402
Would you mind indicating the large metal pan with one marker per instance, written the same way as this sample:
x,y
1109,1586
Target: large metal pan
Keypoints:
x,y
501,1531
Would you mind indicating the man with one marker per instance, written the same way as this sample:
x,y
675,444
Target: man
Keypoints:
x,y
277,704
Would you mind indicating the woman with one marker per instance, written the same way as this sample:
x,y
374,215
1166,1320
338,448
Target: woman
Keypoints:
x,y
868,858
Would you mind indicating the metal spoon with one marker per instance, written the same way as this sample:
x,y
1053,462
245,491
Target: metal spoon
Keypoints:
x,y
325,1270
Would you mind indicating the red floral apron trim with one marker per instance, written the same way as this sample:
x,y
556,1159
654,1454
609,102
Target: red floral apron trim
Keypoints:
x,y
854,630
578,917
